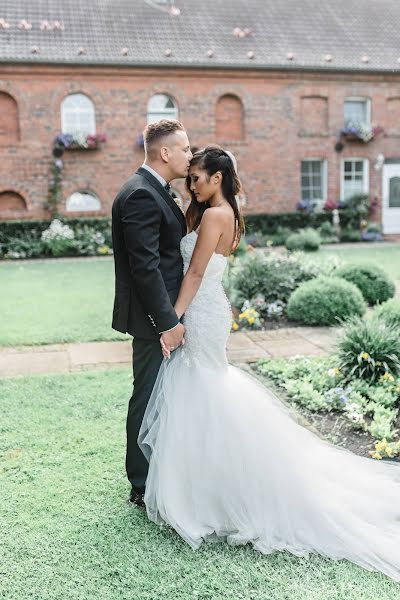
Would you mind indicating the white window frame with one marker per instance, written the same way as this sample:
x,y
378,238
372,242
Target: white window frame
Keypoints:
x,y
86,193
162,113
359,99
324,176
84,114
365,162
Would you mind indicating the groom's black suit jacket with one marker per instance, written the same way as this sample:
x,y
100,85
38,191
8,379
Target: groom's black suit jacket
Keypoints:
x,y
147,227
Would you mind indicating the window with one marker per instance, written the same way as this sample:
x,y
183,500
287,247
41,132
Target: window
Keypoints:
x,y
313,179
83,202
9,120
11,202
357,111
354,177
161,106
229,118
78,115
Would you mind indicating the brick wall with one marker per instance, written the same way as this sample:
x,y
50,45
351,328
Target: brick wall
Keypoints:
x,y
286,117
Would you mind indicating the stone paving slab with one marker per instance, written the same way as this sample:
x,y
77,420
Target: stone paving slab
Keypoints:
x,y
243,347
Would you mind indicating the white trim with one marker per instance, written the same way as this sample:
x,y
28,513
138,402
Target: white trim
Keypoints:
x,y
359,99
324,185
78,114
365,162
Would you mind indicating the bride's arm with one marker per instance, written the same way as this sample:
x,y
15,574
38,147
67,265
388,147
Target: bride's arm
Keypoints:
x,y
207,241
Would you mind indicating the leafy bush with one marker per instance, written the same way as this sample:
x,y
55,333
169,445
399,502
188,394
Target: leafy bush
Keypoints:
x,y
369,349
268,223
23,239
350,234
389,312
371,280
327,231
308,240
272,276
314,384
325,301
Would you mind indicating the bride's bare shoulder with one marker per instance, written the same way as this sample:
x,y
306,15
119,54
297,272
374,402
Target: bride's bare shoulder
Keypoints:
x,y
216,215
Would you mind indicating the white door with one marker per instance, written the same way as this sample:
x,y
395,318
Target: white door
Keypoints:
x,y
391,198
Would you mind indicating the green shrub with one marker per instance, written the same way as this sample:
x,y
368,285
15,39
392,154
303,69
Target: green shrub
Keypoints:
x,y
308,240
350,234
389,312
369,349
23,239
273,276
327,231
371,280
268,223
325,301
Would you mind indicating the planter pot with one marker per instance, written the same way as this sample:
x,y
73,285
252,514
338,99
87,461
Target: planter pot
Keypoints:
x,y
84,148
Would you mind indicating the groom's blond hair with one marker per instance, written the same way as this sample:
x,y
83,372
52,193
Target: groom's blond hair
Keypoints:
x,y
154,133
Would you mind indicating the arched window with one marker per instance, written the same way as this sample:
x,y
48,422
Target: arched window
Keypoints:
x,y
83,201
9,121
78,115
229,118
161,106
11,202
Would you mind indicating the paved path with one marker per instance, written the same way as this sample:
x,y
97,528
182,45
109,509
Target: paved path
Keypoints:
x,y
242,348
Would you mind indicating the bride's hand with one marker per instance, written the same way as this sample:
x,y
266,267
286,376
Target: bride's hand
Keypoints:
x,y
165,351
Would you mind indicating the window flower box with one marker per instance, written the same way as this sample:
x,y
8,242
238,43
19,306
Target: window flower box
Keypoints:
x,y
360,133
79,141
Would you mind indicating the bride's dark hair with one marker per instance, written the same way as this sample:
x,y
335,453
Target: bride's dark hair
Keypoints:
x,y
212,159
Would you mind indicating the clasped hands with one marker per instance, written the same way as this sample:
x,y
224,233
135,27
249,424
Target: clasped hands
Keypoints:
x,y
171,340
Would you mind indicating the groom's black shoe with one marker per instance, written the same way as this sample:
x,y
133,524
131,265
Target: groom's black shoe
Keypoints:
x,y
136,498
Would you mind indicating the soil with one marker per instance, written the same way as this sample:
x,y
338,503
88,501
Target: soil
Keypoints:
x,y
331,426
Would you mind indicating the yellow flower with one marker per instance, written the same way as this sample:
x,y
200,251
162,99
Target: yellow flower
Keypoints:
x,y
269,243
389,451
365,355
103,249
235,326
387,376
243,315
379,446
251,320
376,455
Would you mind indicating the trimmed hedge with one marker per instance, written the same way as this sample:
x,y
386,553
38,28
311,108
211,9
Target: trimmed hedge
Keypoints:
x,y
389,312
325,301
371,280
308,240
14,229
268,223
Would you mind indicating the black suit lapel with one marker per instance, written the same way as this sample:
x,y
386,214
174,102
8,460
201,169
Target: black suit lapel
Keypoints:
x,y
168,199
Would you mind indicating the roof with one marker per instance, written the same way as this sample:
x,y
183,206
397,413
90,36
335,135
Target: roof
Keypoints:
x,y
355,35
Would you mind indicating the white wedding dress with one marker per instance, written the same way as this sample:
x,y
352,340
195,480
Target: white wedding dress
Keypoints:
x,y
229,462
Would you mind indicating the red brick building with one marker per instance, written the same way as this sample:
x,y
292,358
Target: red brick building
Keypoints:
x,y
275,82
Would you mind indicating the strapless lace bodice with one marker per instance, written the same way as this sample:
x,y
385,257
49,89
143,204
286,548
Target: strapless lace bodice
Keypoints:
x,y
208,319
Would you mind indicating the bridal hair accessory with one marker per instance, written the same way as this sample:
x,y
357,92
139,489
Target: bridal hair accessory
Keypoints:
x,y
233,159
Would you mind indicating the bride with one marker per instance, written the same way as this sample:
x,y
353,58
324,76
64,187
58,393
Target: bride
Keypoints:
x,y
227,461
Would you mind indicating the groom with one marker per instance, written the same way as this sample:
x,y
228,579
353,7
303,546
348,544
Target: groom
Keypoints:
x,y
147,227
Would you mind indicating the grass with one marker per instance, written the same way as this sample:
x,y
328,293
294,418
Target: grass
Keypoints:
x,y
387,257
56,301
67,532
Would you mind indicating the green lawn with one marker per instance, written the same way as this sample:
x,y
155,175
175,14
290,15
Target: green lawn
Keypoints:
x,y
387,257
56,301
66,531
71,300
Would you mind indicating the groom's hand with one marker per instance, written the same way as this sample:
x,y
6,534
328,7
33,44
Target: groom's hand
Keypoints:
x,y
170,340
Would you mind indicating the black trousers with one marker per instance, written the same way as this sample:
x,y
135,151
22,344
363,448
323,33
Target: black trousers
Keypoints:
x,y
147,359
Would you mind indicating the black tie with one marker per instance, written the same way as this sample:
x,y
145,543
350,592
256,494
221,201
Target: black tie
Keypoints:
x,y
168,188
